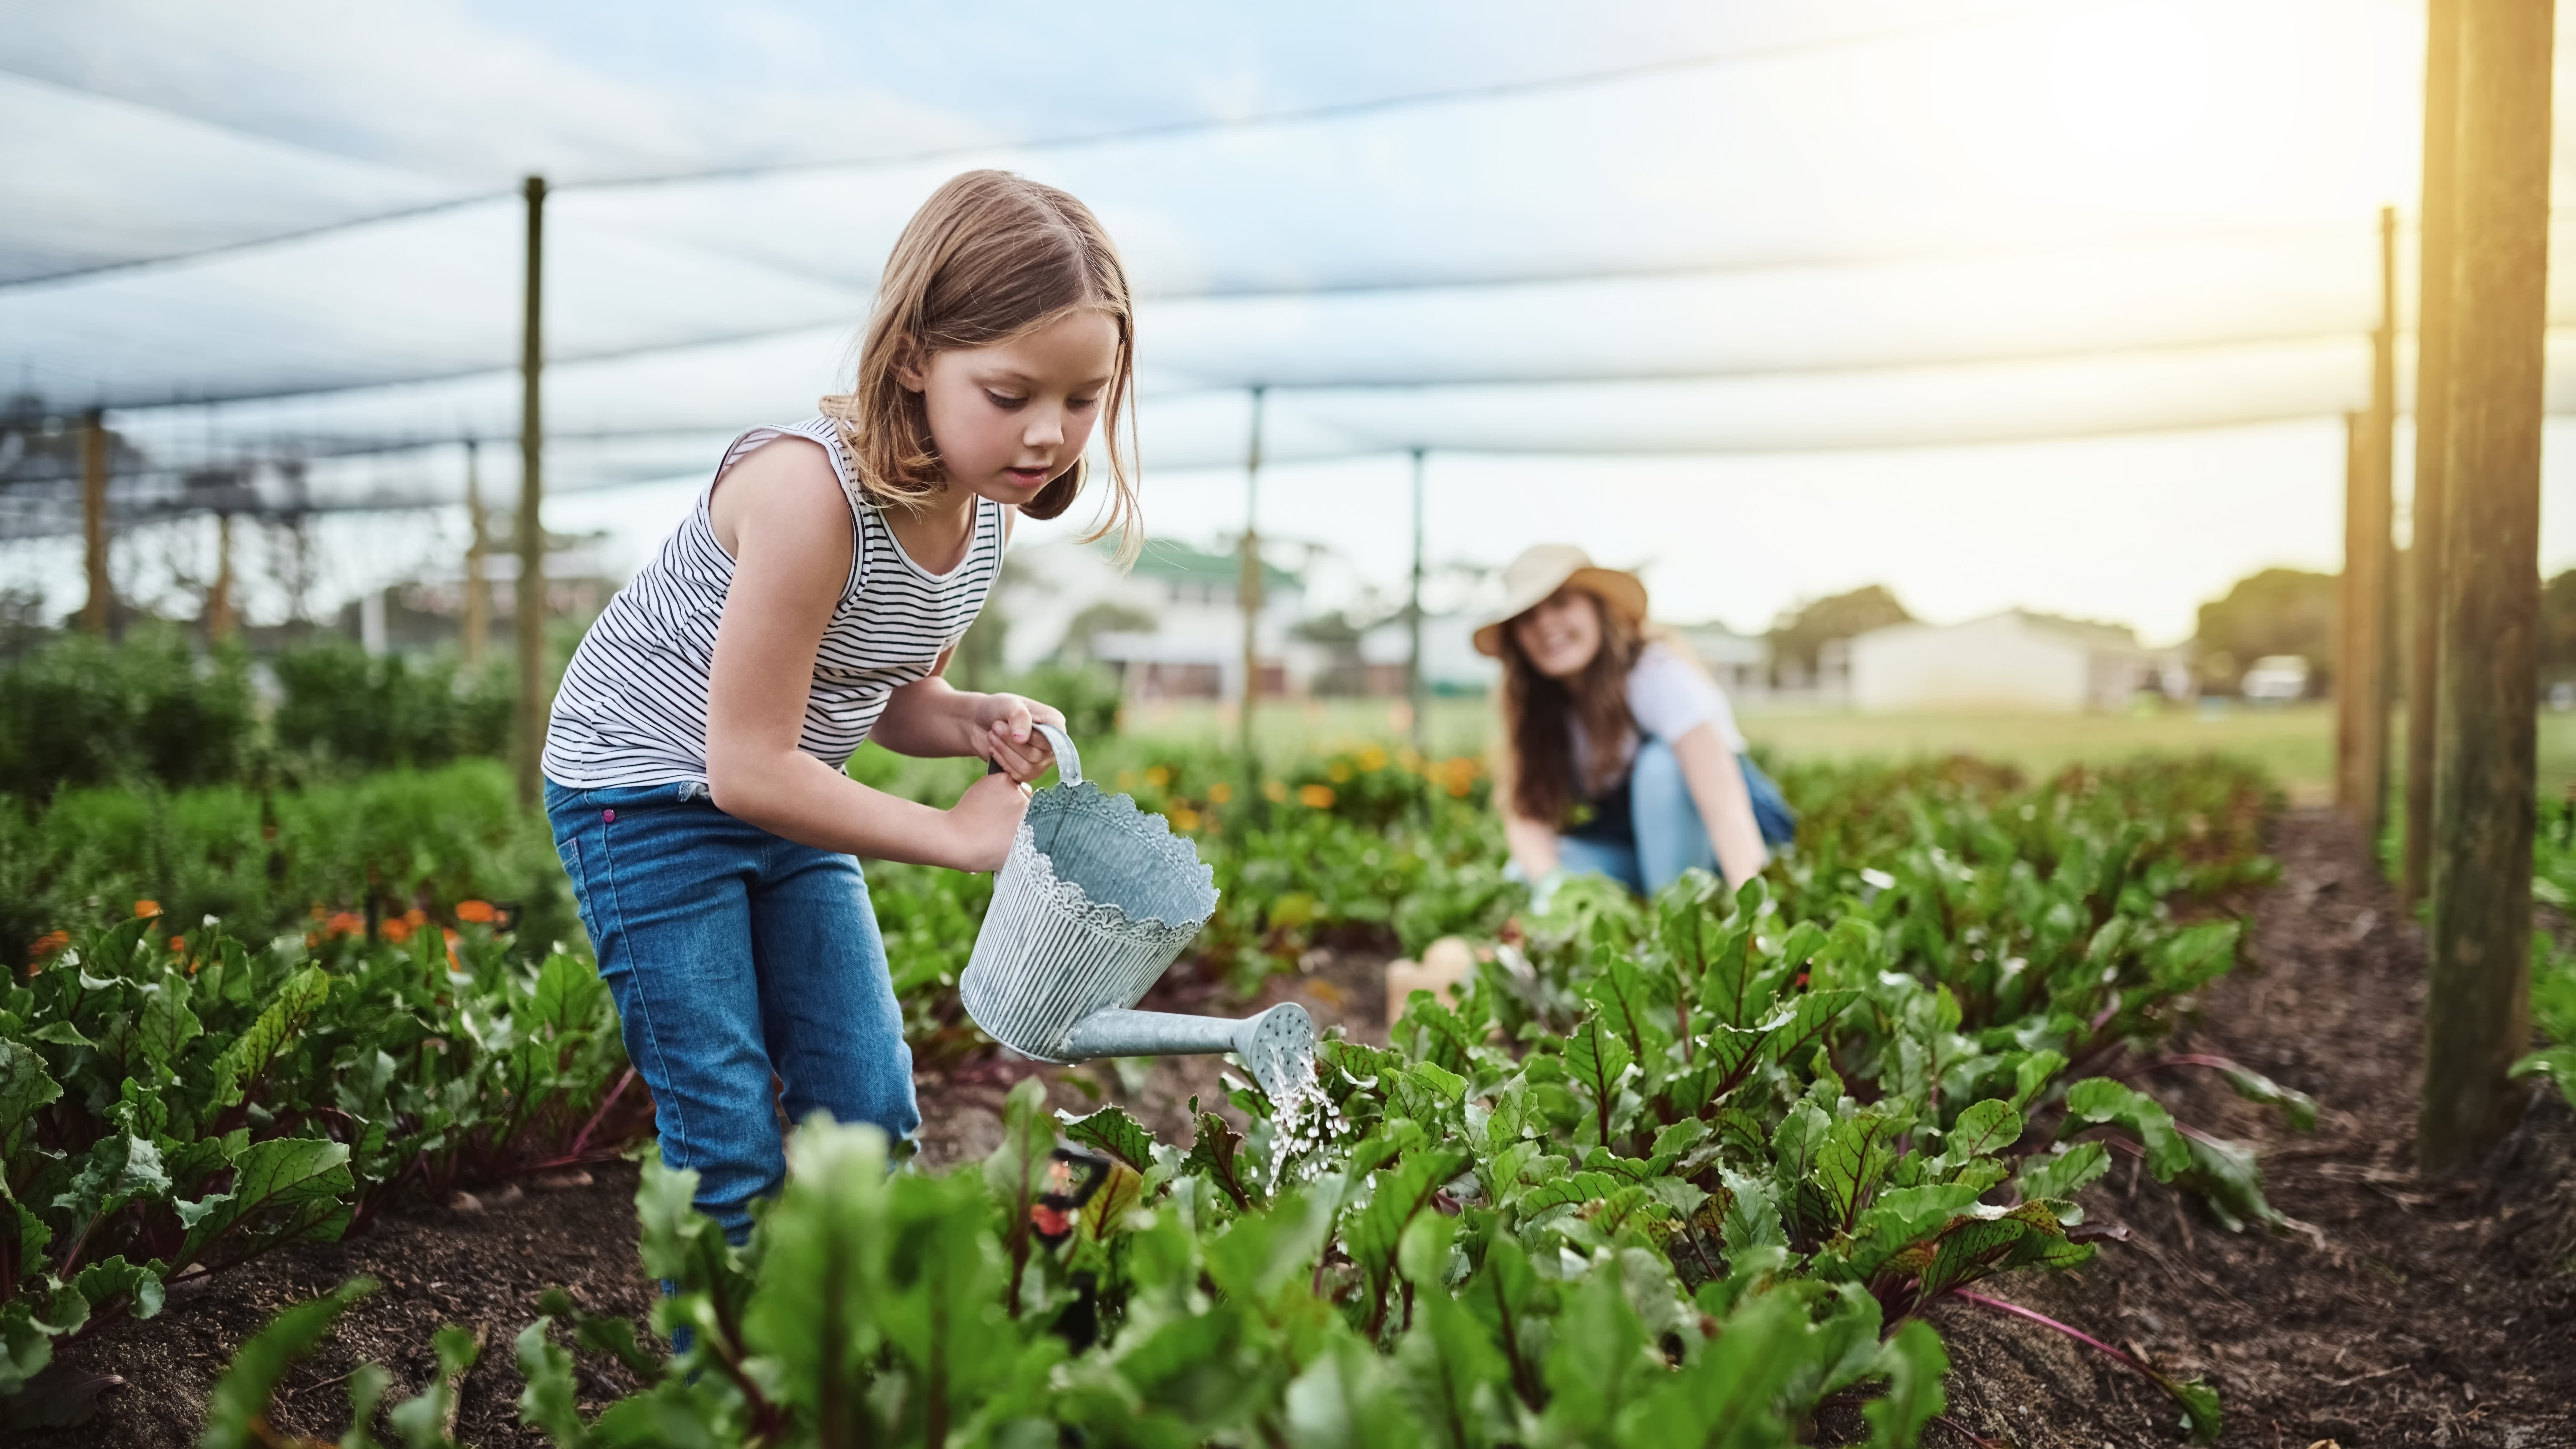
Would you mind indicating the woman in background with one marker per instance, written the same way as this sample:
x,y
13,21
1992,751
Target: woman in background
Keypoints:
x,y
1621,754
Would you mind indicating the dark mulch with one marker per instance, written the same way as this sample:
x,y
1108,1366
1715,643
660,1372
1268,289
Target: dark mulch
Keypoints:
x,y
2406,1312
437,1265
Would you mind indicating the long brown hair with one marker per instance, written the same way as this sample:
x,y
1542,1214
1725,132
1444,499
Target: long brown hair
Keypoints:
x,y
1539,711
989,257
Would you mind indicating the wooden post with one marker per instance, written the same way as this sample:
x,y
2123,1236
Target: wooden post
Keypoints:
x,y
2352,681
2477,996
219,598
531,604
478,585
2370,557
1416,689
2432,438
1249,592
98,615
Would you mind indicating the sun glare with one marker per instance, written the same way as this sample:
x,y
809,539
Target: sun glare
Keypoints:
x,y
2130,83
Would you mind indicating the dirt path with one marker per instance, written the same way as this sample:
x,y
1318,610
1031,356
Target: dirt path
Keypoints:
x,y
2436,1313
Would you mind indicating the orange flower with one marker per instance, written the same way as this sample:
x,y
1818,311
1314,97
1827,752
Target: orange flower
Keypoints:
x,y
1220,792
479,912
147,908
1316,797
415,917
48,943
397,930
1184,819
178,943
346,923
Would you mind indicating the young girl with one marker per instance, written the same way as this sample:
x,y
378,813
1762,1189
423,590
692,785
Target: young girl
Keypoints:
x,y
1598,714
810,601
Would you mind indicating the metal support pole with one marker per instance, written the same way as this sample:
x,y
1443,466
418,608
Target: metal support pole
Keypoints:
x,y
478,585
531,721
1416,687
2478,983
2432,438
1250,590
98,615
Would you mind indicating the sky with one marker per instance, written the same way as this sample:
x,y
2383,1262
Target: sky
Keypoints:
x,y
2054,305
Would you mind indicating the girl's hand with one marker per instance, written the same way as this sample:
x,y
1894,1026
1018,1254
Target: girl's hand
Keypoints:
x,y
1005,729
983,822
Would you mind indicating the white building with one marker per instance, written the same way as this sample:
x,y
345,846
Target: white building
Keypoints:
x,y
1170,625
2013,660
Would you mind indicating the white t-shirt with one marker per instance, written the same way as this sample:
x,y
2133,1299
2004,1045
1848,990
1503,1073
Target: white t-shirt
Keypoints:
x,y
1668,698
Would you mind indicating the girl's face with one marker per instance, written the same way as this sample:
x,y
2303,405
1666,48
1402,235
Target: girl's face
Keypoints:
x,y
1561,633
1010,417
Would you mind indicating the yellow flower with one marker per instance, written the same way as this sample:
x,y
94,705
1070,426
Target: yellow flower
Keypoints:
x,y
1158,777
1373,759
1276,790
1317,797
1185,819
1340,772
1220,792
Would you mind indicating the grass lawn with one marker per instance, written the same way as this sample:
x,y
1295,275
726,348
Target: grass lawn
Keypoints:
x,y
2296,743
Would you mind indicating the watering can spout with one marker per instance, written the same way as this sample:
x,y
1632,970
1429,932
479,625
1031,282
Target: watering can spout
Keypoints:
x,y
1277,1046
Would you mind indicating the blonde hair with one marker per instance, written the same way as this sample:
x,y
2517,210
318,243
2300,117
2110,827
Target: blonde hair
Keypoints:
x,y
988,258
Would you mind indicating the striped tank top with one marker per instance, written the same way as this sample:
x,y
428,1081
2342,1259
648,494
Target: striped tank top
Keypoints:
x,y
632,709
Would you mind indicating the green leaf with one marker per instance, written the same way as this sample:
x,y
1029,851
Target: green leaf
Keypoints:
x,y
286,1189
1597,1360
2253,1086
1458,1381
236,1412
2065,1171
246,1062
166,1025
551,1401
1115,1135
1217,1155
2100,1099
24,1087
823,1270
1598,1061
422,1418
111,1281
1915,1364
1982,1130
1851,1164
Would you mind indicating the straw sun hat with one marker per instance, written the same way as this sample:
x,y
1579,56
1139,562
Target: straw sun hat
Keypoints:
x,y
1544,568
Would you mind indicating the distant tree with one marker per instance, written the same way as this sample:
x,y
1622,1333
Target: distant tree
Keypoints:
x,y
1105,616
1798,638
2277,611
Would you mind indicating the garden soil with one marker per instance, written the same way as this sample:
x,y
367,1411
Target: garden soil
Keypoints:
x,y
2400,1312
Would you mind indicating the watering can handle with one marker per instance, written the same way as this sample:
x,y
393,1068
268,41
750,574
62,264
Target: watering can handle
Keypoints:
x,y
1068,760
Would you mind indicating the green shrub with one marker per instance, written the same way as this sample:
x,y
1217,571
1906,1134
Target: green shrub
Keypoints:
x,y
82,711
342,706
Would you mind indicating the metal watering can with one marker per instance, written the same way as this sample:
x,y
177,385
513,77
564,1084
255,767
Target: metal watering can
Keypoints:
x,y
1095,900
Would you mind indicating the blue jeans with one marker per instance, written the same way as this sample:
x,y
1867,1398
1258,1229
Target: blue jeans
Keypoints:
x,y
1670,837
734,956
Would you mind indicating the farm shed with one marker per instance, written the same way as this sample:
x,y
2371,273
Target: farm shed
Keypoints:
x,y
2016,659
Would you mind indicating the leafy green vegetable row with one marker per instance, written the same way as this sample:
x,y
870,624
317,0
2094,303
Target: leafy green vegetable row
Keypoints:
x,y
171,1106
1678,1173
